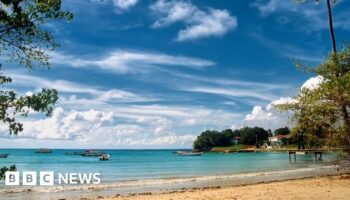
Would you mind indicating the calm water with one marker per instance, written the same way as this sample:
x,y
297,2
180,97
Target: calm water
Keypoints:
x,y
154,164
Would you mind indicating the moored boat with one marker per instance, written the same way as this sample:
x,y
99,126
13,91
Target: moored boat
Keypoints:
x,y
4,155
74,153
190,154
43,150
104,157
92,153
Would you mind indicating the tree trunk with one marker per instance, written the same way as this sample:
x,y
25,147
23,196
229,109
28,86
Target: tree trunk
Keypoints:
x,y
346,117
330,22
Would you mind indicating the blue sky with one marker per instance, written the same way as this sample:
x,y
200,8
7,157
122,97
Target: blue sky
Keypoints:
x,y
155,73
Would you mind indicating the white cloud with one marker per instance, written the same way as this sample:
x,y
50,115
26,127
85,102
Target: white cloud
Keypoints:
x,y
200,23
282,100
74,125
125,126
174,11
128,61
269,117
119,5
312,83
123,5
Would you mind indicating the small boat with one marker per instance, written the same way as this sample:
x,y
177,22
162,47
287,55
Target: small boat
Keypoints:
x,y
92,153
43,150
74,153
4,155
179,152
104,157
190,154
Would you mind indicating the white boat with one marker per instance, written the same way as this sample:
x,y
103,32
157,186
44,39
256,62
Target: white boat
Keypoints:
x,y
104,157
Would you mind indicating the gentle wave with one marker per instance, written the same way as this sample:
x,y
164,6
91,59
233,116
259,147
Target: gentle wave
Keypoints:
x,y
155,182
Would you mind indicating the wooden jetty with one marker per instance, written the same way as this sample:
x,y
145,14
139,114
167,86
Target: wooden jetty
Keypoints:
x,y
317,153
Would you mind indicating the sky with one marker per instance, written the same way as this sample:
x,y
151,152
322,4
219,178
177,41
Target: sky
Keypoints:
x,y
156,73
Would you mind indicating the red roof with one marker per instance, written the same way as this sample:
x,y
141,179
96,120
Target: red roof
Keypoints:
x,y
280,136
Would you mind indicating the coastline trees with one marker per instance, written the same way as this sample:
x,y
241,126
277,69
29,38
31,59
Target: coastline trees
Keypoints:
x,y
247,135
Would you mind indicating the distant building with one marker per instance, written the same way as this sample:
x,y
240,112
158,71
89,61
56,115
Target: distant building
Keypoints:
x,y
277,139
236,140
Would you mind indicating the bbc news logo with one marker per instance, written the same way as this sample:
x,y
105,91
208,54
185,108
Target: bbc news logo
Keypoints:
x,y
47,178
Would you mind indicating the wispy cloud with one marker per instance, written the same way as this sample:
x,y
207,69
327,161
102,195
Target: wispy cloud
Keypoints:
x,y
200,23
288,50
308,15
129,61
63,86
236,93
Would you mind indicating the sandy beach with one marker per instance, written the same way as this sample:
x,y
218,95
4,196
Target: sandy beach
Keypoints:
x,y
332,187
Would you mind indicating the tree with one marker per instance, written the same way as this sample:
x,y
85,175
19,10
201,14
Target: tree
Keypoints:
x,y
209,139
22,36
282,131
24,41
321,114
252,136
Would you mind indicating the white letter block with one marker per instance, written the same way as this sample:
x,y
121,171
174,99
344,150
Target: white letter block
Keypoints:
x,y
46,178
11,178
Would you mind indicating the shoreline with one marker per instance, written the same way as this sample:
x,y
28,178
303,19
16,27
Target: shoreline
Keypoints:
x,y
318,187
160,186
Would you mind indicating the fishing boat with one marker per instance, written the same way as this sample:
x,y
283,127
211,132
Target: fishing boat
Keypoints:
x,y
104,157
4,155
92,153
43,150
190,154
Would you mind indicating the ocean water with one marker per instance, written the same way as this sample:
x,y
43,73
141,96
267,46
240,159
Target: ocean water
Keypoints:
x,y
128,165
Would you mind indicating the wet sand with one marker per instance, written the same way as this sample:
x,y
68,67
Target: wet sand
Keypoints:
x,y
332,187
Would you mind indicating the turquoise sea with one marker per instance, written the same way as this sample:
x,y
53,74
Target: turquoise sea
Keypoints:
x,y
156,164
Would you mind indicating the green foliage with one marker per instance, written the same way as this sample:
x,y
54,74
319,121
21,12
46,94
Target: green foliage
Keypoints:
x,y
22,38
282,131
5,169
24,41
209,139
321,114
12,106
249,136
